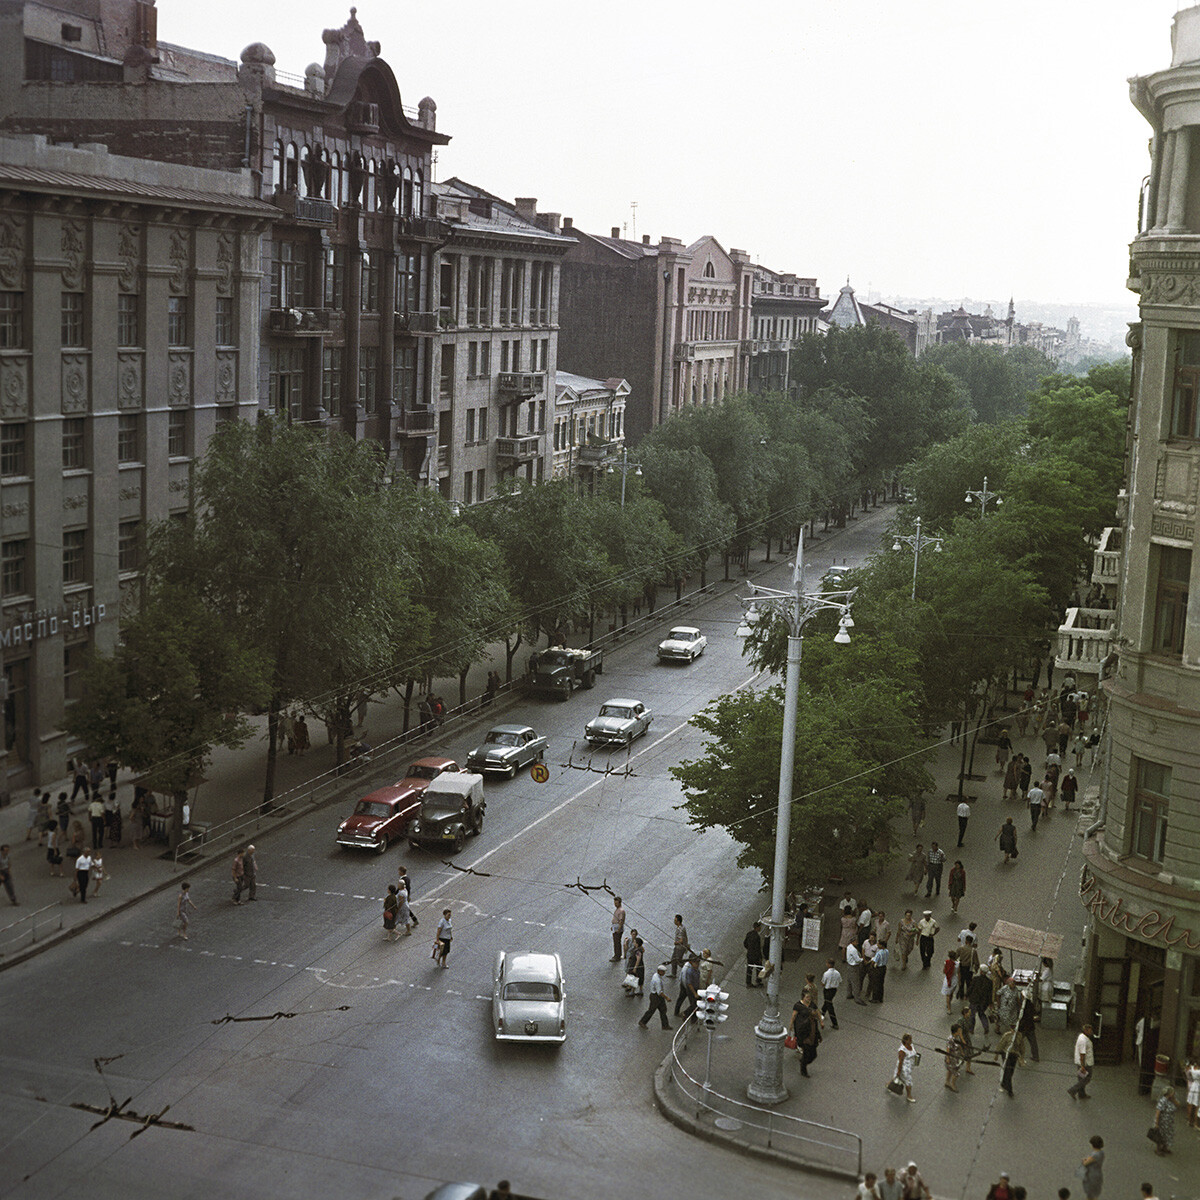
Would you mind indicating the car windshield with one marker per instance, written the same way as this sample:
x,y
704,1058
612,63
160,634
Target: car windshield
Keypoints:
x,y
555,658
422,771
372,808
439,810
681,635
616,710
497,738
531,990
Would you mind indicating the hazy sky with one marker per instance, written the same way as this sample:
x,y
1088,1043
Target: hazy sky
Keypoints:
x,y
920,147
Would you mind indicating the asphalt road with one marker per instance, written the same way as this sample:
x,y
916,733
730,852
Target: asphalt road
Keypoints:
x,y
383,1078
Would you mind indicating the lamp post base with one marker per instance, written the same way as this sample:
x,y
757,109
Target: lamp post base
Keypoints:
x,y
767,1086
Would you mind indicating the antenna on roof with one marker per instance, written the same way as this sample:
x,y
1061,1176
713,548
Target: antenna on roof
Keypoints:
x,y
633,209
433,166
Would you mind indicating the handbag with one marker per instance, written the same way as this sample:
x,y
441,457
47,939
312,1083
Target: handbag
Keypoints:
x,y
631,981
1154,1134
896,1087
790,1042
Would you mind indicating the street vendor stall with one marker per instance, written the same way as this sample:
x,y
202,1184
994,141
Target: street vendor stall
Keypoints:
x,y
1036,944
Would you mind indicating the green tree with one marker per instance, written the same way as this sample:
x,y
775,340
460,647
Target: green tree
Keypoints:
x,y
997,381
944,473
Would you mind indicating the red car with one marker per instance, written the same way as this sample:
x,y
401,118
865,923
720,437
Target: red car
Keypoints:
x,y
381,817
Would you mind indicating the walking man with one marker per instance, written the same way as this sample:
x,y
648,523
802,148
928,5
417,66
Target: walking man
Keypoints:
x,y
250,870
935,859
658,998
6,872
855,968
405,884
238,872
83,873
689,986
1084,1061
927,930
617,928
1035,798
979,996
681,946
754,956
830,981
964,815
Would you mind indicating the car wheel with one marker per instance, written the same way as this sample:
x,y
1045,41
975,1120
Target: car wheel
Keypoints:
x,y
460,840
479,822
512,771
541,755
589,679
382,847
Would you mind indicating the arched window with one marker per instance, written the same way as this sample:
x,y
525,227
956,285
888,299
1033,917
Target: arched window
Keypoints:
x,y
333,185
709,270
277,165
369,196
305,174
406,203
289,168
418,209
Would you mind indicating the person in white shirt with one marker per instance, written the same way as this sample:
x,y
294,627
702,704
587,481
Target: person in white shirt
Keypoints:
x,y
854,974
83,871
658,998
830,981
964,815
1084,1062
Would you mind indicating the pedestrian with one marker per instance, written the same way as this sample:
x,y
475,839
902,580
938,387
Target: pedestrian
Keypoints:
x,y
6,875
906,936
956,885
878,974
969,932
81,781
391,905
754,956
1084,1063
916,810
883,927
1147,1192
63,811
83,871
890,1187
855,968
1001,1189
250,870
964,815
112,819
906,1061
689,987
1069,789
968,964
1011,774
1003,750
1050,733
493,686
1007,837
97,872
935,860
1192,1077
1027,1022
1091,1169
830,982
869,1188
848,931
862,925
238,871
658,998
31,817
1008,1005
302,742
927,930
914,1186
950,976
1026,774
97,778
1164,1121
617,928
979,996
43,818
54,855
183,902
405,884
968,1041
679,952
708,965
1011,1048
111,768
1064,736
806,1029
955,1055
445,935
635,960
1035,798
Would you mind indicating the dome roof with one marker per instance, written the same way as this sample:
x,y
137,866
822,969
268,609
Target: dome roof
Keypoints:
x,y
260,53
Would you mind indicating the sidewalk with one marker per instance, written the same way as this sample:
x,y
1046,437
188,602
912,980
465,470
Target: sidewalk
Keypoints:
x,y
234,787
960,1142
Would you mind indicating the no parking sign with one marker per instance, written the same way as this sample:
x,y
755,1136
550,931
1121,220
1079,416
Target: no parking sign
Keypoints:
x,y
539,773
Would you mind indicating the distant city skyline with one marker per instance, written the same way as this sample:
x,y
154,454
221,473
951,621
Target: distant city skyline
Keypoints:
x,y
933,149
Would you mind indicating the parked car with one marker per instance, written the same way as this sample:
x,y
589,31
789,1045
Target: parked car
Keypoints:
x,y
685,643
382,816
452,809
506,749
529,1002
620,721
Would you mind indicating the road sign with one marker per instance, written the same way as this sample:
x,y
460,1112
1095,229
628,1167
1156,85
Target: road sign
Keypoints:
x,y
539,773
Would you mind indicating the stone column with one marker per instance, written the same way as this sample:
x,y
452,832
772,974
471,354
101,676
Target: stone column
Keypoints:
x,y
1177,201
1166,157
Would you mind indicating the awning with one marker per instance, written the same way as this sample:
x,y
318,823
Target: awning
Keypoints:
x,y
1020,939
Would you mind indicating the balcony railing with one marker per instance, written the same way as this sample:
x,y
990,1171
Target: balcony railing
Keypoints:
x,y
302,322
305,208
419,421
597,452
415,322
1085,639
1106,559
518,449
685,352
520,385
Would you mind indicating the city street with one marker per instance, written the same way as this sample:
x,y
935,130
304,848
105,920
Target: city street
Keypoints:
x,y
405,1087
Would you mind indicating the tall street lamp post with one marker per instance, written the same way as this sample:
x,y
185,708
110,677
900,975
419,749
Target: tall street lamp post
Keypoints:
x,y
916,541
983,496
625,466
796,607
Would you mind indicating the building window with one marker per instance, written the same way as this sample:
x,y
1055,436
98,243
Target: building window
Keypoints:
x,y
177,433
74,656
12,320
12,449
448,291
369,295
481,482
129,324
485,359
74,443
226,414
540,276
479,291
1171,599
368,377
12,567
129,438
446,377
289,275
1185,407
286,382
177,321
470,426
331,380
483,424
468,480
74,553
408,280
335,277
224,321
72,318
129,546
512,279
404,375
1151,802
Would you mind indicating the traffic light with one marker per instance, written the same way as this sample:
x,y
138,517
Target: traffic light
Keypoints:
x,y
712,1007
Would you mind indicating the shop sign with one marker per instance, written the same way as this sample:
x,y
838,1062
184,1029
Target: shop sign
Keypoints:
x,y
1151,926
49,623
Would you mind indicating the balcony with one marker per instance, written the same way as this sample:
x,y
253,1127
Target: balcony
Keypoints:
x,y
518,449
1106,559
595,453
305,208
405,323
443,462
419,421
300,322
685,352
1084,640
362,117
520,385
425,228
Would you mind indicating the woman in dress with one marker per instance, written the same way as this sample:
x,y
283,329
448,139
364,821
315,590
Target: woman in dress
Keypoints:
x,y
1007,837
955,1054
949,976
906,1060
1164,1121
404,916
635,961
445,935
1192,1075
1003,750
906,936
1011,773
956,886
1091,1169
916,868
182,903
849,929
391,905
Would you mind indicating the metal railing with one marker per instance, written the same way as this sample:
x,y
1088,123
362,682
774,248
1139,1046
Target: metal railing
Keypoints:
x,y
31,919
838,1151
